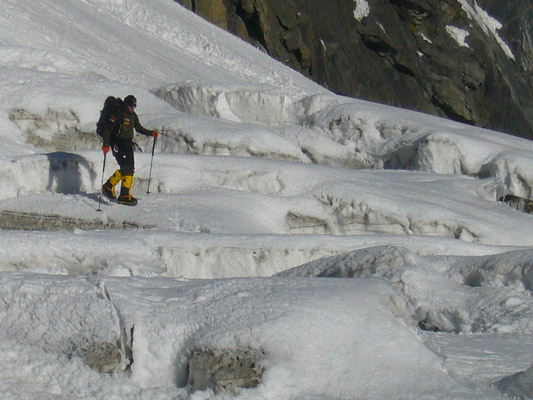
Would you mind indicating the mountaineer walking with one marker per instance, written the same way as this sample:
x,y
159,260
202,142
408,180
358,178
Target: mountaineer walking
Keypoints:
x,y
117,132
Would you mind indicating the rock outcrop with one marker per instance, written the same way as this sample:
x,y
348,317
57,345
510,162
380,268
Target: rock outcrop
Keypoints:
x,y
468,60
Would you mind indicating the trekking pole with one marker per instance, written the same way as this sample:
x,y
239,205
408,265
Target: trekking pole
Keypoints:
x,y
102,185
150,174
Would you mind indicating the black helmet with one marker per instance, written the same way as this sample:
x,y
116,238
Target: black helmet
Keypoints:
x,y
130,101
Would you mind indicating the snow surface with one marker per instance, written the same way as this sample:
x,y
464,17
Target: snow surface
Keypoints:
x,y
458,34
264,185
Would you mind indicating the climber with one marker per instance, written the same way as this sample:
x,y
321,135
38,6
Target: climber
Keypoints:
x,y
118,134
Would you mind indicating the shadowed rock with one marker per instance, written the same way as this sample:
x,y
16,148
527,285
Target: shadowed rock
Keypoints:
x,y
102,357
517,386
225,371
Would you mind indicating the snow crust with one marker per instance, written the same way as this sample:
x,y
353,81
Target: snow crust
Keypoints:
x,y
263,186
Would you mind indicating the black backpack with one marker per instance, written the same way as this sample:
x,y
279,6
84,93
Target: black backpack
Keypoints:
x,y
109,114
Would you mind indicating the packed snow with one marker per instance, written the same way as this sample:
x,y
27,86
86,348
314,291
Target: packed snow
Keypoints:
x,y
357,251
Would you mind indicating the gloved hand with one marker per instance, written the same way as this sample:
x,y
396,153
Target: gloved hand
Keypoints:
x,y
105,149
155,134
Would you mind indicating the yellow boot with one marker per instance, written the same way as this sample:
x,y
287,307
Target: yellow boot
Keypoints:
x,y
109,187
125,192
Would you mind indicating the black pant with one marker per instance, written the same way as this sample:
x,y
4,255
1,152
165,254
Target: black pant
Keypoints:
x,y
123,153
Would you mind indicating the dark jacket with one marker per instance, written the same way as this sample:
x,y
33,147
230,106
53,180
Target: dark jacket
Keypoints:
x,y
123,128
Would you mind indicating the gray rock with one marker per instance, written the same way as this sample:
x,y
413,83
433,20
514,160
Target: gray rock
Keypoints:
x,y
225,371
103,357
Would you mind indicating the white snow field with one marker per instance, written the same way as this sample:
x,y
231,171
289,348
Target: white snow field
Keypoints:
x,y
355,251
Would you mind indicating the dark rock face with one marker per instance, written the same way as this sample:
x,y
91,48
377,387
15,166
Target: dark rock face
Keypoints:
x,y
443,57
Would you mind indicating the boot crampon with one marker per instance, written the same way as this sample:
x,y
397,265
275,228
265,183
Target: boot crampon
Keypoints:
x,y
109,187
125,192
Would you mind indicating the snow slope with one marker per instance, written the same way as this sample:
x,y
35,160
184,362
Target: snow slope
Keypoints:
x,y
257,172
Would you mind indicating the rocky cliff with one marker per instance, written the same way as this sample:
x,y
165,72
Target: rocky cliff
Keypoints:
x,y
468,60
